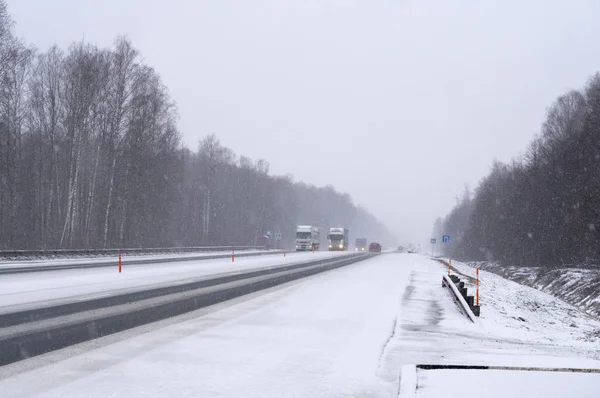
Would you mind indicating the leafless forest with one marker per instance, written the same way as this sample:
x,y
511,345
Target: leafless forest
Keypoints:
x,y
91,157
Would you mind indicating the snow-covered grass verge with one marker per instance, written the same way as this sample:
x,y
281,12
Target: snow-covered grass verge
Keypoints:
x,y
532,316
577,286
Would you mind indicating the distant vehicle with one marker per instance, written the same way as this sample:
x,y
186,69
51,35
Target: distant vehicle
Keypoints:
x,y
375,247
307,238
360,245
338,239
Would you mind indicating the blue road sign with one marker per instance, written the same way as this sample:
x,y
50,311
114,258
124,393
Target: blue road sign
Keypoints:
x,y
433,240
446,239
277,235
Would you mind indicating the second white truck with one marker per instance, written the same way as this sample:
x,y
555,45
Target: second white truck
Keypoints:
x,y
338,239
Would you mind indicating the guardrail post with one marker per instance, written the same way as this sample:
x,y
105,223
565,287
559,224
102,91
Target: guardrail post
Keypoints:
x,y
120,263
232,256
477,291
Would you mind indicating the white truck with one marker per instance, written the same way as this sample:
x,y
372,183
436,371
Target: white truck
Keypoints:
x,y
307,238
338,239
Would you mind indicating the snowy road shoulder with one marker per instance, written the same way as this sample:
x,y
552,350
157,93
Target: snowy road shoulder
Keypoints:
x,y
519,326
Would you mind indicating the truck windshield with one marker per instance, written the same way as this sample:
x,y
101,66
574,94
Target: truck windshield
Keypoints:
x,y
302,235
336,237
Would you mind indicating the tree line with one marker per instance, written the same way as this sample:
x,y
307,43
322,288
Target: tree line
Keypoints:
x,y
543,208
91,157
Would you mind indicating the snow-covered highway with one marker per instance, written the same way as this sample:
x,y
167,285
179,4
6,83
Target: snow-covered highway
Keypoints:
x,y
10,265
344,333
79,284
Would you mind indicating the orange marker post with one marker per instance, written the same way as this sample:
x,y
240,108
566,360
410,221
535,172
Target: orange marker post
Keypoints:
x,y
120,263
477,291
232,256
283,252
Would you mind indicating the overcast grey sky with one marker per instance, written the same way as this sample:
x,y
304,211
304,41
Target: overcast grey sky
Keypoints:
x,y
397,102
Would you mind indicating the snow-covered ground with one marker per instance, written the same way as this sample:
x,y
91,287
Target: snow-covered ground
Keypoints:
x,y
44,287
344,333
532,316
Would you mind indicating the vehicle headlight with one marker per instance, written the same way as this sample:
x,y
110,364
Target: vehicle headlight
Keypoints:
x,y
330,246
341,246
363,249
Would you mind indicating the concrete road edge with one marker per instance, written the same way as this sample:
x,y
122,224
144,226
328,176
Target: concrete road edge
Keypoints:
x,y
408,381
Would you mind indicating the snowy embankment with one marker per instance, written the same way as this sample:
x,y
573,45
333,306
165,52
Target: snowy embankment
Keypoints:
x,y
577,286
533,316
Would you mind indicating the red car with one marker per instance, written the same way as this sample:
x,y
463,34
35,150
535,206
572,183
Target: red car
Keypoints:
x,y
375,247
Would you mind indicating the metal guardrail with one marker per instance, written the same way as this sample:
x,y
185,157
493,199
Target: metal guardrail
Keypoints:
x,y
18,254
446,281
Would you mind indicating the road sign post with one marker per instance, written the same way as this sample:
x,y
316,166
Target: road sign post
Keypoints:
x,y
277,236
446,239
267,237
433,241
